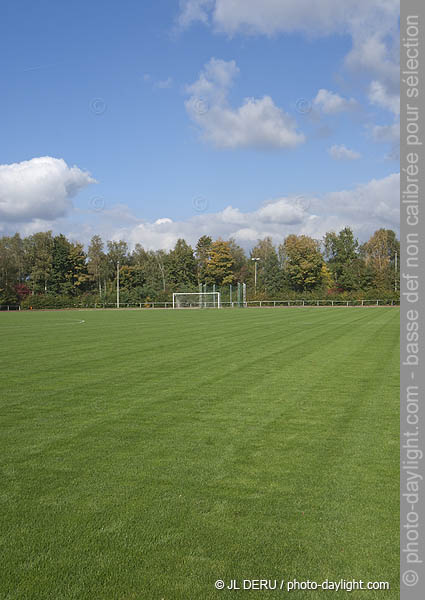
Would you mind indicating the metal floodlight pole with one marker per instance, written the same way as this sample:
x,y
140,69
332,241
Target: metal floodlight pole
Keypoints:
x,y
118,284
255,275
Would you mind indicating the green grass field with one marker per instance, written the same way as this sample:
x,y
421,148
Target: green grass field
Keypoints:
x,y
146,454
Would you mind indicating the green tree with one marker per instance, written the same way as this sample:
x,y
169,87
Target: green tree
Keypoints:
x,y
12,261
61,265
96,265
202,254
272,275
8,263
117,252
131,277
153,265
269,273
181,266
240,263
39,253
159,258
341,252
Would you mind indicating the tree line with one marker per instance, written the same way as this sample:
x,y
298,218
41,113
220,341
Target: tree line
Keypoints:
x,y
51,266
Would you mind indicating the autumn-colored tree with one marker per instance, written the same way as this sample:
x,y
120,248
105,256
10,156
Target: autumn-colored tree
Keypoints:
x,y
327,279
131,277
379,253
219,269
77,275
303,262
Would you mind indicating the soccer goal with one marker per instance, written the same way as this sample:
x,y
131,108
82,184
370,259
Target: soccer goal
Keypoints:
x,y
196,300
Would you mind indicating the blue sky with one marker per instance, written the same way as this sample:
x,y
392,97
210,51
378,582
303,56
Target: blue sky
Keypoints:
x,y
181,110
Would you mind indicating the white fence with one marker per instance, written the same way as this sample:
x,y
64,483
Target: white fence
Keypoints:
x,y
265,304
249,304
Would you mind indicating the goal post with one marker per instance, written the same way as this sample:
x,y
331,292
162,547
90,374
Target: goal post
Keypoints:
x,y
196,300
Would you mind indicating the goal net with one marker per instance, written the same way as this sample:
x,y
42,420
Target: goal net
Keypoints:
x,y
196,300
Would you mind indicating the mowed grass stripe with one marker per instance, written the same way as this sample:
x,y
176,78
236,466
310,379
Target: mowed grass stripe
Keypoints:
x,y
196,445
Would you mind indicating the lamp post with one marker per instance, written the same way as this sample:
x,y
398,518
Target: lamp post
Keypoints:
x,y
118,284
255,274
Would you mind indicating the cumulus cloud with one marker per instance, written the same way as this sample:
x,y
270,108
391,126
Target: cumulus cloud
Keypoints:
x,y
376,53
39,189
343,153
380,96
194,10
365,208
257,123
389,134
375,203
273,16
371,24
245,227
331,103
386,133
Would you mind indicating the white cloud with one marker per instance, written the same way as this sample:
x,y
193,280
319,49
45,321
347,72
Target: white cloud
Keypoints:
x,y
380,96
214,82
331,103
371,24
386,133
274,16
39,189
35,196
365,208
376,53
286,211
376,203
257,123
194,10
245,227
343,153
